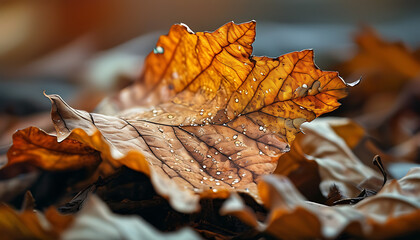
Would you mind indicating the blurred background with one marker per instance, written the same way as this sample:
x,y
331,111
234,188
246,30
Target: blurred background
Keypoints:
x,y
87,49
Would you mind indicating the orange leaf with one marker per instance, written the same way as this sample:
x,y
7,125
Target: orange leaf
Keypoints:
x,y
31,224
41,149
385,66
223,118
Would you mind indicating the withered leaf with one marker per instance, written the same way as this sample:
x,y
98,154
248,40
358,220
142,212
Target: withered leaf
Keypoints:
x,y
223,118
30,224
336,163
394,211
96,221
33,145
385,65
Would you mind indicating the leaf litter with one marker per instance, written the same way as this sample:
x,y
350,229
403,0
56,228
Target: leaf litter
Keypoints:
x,y
207,128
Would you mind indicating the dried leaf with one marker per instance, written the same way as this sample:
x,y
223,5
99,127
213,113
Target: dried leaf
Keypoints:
x,y
36,147
96,221
378,217
337,164
385,66
32,224
223,118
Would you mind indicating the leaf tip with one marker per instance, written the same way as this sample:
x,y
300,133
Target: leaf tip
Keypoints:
x,y
355,83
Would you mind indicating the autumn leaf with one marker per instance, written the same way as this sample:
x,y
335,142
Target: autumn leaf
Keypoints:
x,y
327,143
385,66
392,212
221,117
31,224
66,155
96,221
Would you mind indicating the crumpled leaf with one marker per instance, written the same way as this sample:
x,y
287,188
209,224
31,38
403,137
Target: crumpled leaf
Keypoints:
x,y
394,211
96,221
325,142
223,118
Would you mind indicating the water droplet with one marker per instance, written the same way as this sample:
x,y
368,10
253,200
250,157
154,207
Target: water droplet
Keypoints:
x,y
172,151
236,100
261,153
247,189
58,120
218,173
188,170
209,113
216,153
204,166
243,174
205,178
175,75
235,136
245,64
160,129
230,177
229,158
170,116
192,160
305,86
239,154
254,79
158,50
262,74
209,156
214,190
201,113
261,128
217,183
237,143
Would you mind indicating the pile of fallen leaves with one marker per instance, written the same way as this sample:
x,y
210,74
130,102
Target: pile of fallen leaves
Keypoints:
x,y
210,143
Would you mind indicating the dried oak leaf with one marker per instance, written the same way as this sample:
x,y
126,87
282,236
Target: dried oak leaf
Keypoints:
x,y
393,212
222,120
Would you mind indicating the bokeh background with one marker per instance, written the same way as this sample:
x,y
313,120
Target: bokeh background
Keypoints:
x,y
87,49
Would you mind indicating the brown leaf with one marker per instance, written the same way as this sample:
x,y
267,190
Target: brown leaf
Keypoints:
x,y
336,163
223,118
378,217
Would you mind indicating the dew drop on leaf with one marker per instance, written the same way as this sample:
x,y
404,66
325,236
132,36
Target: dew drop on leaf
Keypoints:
x,y
158,50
